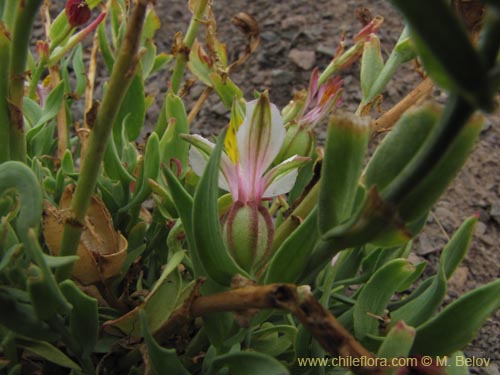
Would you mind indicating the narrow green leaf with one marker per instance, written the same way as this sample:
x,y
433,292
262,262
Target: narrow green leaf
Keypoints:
x,y
456,248
150,170
249,363
59,261
434,22
162,360
226,89
107,54
133,108
20,317
372,64
31,111
84,318
172,146
455,366
184,205
418,310
45,297
346,143
398,342
376,294
53,104
400,145
159,304
212,251
48,352
4,92
454,327
151,25
289,261
428,191
402,52
80,74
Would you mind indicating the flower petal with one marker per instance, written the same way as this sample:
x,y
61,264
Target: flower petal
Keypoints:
x,y
259,140
281,185
199,155
280,179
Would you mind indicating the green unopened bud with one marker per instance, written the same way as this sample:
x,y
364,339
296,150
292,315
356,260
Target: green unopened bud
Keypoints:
x,y
248,232
298,141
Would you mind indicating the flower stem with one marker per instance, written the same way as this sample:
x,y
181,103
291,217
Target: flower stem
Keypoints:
x,y
181,58
22,27
4,92
121,76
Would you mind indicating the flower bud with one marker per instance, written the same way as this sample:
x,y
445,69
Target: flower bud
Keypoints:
x,y
299,140
248,232
78,12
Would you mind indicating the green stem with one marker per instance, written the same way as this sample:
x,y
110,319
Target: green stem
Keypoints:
x,y
455,116
4,92
181,57
9,12
121,76
23,25
35,78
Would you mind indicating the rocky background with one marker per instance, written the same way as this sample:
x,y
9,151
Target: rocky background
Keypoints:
x,y
295,37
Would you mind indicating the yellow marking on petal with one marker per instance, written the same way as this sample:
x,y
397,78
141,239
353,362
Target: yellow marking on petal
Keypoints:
x,y
46,81
237,116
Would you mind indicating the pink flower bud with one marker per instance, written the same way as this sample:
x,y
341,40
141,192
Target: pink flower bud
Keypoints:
x,y
249,233
43,50
78,12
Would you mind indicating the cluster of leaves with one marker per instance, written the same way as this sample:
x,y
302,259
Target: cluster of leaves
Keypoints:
x,y
128,229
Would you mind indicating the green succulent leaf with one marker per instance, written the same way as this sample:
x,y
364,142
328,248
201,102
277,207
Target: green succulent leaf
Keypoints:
x,y
446,48
249,363
457,323
345,148
84,318
289,261
372,64
212,251
418,310
376,294
47,351
162,360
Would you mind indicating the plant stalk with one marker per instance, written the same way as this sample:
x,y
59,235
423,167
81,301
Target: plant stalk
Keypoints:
x,y
181,57
4,92
121,77
23,24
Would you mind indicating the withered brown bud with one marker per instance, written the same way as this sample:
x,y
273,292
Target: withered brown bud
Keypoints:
x,y
78,12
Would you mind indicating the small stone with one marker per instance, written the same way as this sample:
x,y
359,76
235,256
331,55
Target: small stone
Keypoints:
x,y
495,212
459,279
293,21
282,77
487,125
303,59
480,228
220,109
414,258
196,91
325,50
426,245
270,36
492,369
